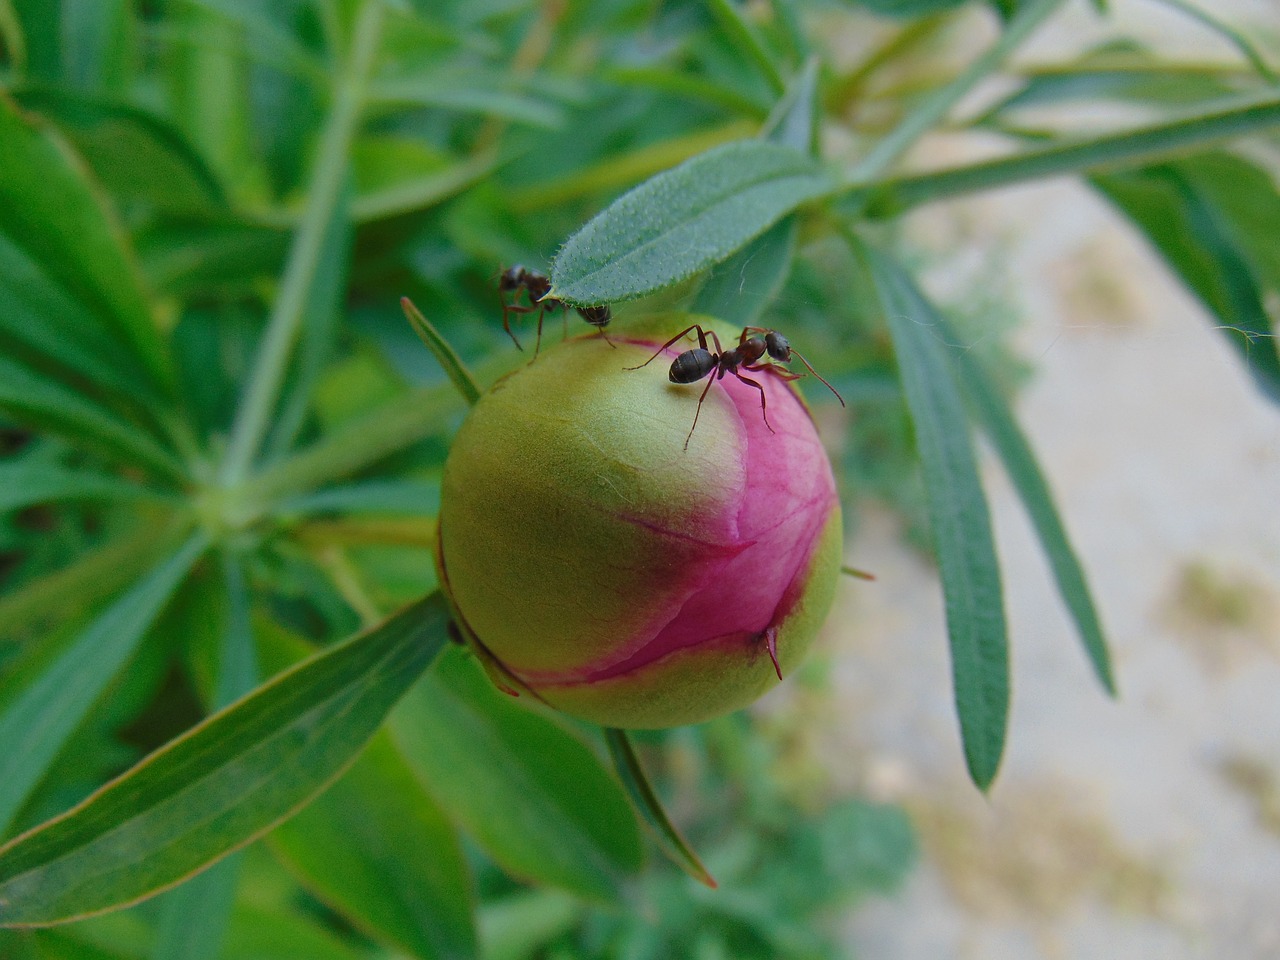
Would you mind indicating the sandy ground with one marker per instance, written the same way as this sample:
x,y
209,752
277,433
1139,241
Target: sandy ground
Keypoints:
x,y
1147,827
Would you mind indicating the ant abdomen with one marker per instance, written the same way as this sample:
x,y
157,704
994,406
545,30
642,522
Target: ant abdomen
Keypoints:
x,y
691,366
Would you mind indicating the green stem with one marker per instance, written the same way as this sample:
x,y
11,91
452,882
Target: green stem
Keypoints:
x,y
1127,148
930,113
271,364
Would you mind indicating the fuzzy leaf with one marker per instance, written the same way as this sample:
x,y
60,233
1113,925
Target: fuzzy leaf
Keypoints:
x,y
684,220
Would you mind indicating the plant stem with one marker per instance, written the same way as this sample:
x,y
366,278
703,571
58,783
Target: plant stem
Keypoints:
x,y
260,396
934,109
1126,148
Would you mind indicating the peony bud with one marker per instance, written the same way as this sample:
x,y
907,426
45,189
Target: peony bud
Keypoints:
x,y
596,563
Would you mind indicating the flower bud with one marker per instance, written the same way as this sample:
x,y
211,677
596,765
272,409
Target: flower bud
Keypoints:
x,y
595,562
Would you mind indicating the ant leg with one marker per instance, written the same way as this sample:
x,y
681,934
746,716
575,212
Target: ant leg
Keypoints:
x,y
698,412
537,347
782,373
770,638
507,310
606,338
685,332
819,376
763,412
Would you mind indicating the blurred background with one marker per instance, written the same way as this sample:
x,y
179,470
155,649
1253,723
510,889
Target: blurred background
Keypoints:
x,y
837,815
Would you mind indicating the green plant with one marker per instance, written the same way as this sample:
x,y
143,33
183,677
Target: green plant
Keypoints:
x,y
223,446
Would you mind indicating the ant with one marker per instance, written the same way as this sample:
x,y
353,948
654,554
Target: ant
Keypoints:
x,y
753,344
538,285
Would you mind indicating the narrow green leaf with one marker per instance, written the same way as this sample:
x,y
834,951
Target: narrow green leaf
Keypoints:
x,y
1230,34
221,785
325,190
41,402
25,484
37,721
739,290
530,793
684,220
97,574
795,120
960,521
935,107
194,918
50,211
447,357
469,92
137,156
377,848
397,497
97,44
644,800
1033,489
1211,248
908,8
745,39
321,311
419,193
1208,125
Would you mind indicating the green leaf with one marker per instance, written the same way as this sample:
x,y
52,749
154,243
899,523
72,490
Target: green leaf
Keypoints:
x,y
194,917
135,155
959,518
467,92
530,793
1212,248
321,313
25,484
796,119
41,402
1195,130
96,574
1020,463
684,220
193,922
224,783
51,214
97,43
644,800
37,720
377,848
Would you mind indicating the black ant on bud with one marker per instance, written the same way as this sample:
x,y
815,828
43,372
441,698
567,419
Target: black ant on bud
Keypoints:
x,y
753,344
538,285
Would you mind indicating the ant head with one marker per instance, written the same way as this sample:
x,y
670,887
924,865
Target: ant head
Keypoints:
x,y
778,346
512,278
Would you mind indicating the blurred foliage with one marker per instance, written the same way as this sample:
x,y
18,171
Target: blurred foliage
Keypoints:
x,y
220,442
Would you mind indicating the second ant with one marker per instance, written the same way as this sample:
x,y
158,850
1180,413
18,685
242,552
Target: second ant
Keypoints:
x,y
537,285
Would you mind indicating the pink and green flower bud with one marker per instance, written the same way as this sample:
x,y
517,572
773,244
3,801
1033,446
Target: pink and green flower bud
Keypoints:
x,y
597,564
